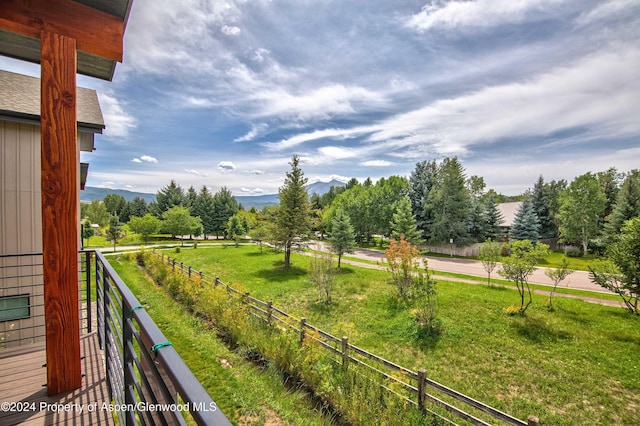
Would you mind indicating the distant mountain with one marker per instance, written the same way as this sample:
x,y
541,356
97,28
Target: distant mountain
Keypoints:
x,y
91,193
323,187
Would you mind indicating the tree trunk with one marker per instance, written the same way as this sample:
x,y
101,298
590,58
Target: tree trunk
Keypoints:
x,y
287,255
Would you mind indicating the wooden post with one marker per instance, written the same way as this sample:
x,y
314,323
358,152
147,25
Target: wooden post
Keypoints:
x,y
269,311
189,271
345,351
216,282
533,421
303,322
422,384
59,178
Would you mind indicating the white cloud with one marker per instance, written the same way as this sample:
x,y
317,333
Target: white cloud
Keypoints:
x,y
255,131
336,134
196,172
376,163
257,172
478,14
319,103
609,9
230,30
146,159
226,166
563,99
118,122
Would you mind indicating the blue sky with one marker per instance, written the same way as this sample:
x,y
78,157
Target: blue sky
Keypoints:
x,y
223,93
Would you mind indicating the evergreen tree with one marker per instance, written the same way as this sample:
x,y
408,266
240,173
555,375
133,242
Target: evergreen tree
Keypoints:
x,y
626,207
449,202
525,224
204,209
478,221
421,181
224,206
494,217
190,200
342,238
138,207
404,224
541,207
292,222
166,198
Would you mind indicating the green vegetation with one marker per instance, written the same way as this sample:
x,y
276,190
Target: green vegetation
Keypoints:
x,y
533,364
247,393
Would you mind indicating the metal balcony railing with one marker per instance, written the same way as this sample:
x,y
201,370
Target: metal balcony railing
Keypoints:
x,y
22,320
148,381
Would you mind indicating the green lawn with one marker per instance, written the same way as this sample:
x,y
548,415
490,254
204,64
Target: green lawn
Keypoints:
x,y
577,365
246,393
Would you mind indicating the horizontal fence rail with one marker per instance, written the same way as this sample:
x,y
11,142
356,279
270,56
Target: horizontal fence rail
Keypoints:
x,y
142,367
22,319
411,386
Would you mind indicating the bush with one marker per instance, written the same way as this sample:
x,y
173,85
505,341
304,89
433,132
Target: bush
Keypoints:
x,y
573,252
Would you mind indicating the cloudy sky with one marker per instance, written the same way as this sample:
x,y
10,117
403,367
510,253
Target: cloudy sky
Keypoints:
x,y
224,92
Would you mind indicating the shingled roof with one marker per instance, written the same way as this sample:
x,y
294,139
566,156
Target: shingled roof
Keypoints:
x,y
20,101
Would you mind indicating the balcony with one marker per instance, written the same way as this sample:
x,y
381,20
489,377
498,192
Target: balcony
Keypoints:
x,y
130,372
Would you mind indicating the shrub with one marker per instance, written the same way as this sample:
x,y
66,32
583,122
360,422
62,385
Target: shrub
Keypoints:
x,y
573,252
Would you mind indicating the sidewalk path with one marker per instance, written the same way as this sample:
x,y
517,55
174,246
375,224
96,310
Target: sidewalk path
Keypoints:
x,y
578,280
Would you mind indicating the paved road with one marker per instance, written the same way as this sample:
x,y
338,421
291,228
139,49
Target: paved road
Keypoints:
x,y
578,280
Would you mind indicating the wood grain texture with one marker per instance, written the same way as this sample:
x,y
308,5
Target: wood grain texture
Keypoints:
x,y
60,212
96,32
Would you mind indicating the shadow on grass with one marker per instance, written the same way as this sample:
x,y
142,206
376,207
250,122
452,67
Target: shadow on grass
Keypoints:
x,y
536,331
345,270
278,274
257,253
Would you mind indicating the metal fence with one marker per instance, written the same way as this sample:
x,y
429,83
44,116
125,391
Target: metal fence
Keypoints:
x,y
22,319
413,387
148,381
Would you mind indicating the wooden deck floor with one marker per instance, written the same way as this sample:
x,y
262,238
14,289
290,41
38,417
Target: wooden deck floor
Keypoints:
x,y
23,380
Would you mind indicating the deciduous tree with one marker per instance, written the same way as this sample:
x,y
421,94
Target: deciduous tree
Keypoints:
x,y
489,254
580,208
558,275
145,226
520,264
114,231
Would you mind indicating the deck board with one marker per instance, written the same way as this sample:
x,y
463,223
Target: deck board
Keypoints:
x,y
23,376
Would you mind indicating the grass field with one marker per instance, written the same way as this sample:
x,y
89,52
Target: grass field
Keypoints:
x,y
246,393
579,364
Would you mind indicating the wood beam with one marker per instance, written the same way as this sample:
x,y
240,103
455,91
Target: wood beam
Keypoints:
x,y
60,212
95,32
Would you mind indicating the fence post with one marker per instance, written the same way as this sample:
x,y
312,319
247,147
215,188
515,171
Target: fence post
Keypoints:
x,y
303,322
189,271
269,311
422,381
245,298
533,421
345,351
216,282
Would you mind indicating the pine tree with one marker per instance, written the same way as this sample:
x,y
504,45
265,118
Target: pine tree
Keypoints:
x,y
494,217
342,237
204,209
292,222
224,206
404,224
626,207
166,198
449,203
541,206
525,224
421,181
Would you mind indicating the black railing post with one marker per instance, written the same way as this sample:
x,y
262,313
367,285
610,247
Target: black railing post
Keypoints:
x,y
127,360
87,262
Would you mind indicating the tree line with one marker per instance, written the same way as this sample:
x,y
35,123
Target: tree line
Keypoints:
x,y
437,203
